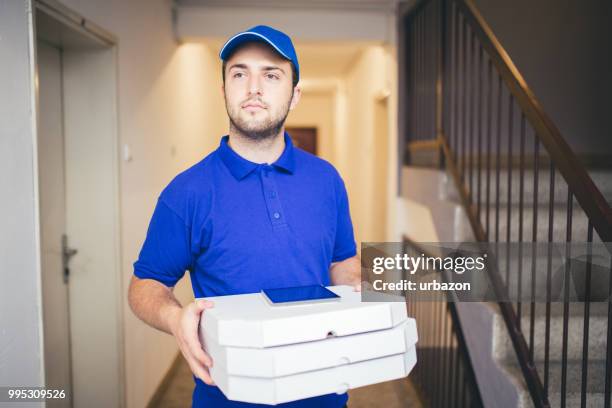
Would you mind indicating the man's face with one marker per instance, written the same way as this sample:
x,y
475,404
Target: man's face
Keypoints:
x,y
258,91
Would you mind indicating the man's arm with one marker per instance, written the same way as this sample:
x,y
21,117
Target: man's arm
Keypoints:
x,y
155,304
347,272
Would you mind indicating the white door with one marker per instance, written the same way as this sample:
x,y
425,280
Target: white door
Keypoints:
x,y
56,316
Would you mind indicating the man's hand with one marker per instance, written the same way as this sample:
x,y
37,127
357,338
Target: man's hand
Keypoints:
x,y
155,304
347,272
184,327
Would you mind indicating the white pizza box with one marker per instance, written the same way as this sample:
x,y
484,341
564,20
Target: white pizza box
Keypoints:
x,y
313,383
249,320
313,355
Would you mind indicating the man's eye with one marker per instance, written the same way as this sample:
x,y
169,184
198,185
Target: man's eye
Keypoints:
x,y
271,76
238,75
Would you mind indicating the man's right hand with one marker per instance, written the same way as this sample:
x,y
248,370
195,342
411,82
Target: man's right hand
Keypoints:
x,y
184,327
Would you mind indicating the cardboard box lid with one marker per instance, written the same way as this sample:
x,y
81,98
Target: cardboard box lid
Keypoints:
x,y
250,321
314,383
314,355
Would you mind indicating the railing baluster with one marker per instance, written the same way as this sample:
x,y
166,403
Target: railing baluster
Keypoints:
x,y
454,371
479,132
509,188
551,215
534,240
586,317
489,116
417,79
412,80
565,338
443,353
498,156
451,336
441,345
435,340
420,64
461,380
426,351
464,392
455,129
434,68
471,114
464,75
427,61
417,71
608,378
447,26
519,304
426,72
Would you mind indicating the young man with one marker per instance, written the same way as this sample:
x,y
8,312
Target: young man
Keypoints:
x,y
256,213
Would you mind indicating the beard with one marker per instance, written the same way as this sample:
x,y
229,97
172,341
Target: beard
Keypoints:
x,y
261,129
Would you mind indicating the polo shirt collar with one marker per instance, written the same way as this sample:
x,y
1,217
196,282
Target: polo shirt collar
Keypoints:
x,y
241,167
286,161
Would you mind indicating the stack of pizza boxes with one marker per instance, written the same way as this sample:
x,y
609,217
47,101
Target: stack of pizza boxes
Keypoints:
x,y
270,354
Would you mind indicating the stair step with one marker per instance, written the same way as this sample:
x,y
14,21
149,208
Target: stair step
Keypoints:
x,y
598,324
594,390
573,400
579,223
535,273
601,178
595,376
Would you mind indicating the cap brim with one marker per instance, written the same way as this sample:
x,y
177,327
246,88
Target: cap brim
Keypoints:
x,y
246,36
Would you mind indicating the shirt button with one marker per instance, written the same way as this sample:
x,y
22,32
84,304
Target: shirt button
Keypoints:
x,y
272,194
276,215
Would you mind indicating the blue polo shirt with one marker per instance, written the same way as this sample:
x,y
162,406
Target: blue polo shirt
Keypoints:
x,y
240,227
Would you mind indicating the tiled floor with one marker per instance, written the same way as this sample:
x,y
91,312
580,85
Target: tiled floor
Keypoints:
x,y
392,394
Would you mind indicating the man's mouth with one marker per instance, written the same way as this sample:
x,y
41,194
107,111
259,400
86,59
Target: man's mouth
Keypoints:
x,y
253,106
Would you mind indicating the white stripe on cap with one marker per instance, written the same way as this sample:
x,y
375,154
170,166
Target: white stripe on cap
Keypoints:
x,y
255,34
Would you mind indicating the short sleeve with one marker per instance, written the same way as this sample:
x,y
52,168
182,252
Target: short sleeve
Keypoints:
x,y
165,254
344,246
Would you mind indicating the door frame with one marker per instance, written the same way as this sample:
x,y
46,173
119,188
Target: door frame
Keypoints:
x,y
104,167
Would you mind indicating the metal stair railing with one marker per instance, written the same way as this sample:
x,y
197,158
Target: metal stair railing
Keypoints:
x,y
470,111
444,373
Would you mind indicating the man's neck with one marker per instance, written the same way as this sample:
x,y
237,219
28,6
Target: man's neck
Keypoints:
x,y
260,151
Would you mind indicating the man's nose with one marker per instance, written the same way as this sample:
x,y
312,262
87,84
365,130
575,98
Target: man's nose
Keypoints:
x,y
255,85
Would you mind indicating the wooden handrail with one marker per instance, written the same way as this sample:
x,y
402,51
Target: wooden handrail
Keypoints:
x,y
578,180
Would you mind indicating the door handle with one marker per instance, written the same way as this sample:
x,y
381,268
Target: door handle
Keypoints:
x,y
67,254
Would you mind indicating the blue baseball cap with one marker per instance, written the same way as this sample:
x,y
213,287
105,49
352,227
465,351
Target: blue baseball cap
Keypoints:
x,y
262,33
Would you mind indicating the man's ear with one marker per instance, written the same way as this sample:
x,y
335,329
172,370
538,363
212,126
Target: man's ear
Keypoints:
x,y
222,89
297,94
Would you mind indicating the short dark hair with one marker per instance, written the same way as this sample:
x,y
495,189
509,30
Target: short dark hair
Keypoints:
x,y
294,76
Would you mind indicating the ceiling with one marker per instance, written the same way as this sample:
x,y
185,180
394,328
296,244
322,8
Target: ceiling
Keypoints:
x,y
301,4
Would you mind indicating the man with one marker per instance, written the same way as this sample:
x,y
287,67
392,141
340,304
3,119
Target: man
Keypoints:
x,y
256,213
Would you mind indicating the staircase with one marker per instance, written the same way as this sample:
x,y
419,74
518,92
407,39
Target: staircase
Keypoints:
x,y
502,350
488,165
433,188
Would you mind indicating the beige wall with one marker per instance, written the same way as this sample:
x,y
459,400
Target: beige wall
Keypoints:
x,y
316,109
21,341
347,110
368,81
178,123
170,116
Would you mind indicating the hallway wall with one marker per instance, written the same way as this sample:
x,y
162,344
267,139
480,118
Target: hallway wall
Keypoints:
x,y
562,49
369,79
170,115
20,289
316,110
